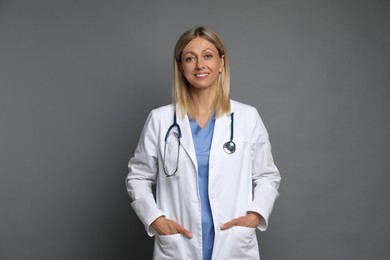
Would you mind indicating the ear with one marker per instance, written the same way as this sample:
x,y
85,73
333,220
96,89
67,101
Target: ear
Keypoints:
x,y
222,63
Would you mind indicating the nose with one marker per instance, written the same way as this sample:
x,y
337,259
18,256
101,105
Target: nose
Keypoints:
x,y
199,63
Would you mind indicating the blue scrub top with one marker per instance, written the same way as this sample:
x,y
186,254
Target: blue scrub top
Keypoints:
x,y
202,141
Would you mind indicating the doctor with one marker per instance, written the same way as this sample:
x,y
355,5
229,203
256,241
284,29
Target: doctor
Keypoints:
x,y
210,159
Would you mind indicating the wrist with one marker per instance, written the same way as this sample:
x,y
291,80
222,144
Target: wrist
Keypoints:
x,y
255,216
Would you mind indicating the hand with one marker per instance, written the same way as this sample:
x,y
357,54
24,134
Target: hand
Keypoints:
x,y
164,226
252,220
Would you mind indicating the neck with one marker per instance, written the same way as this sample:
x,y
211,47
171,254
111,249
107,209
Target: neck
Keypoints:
x,y
203,100
204,104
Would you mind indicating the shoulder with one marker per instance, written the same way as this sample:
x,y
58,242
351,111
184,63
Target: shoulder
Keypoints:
x,y
246,114
162,111
249,117
159,115
244,109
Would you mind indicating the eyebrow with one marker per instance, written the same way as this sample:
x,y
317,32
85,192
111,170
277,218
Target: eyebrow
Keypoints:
x,y
191,52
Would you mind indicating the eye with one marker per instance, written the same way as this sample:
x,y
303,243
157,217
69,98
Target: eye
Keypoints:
x,y
189,59
208,56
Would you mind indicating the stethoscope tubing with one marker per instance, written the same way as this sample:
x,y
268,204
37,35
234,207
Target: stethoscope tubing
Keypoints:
x,y
175,124
229,147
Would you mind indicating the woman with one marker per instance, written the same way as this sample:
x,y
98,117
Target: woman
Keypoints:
x,y
210,159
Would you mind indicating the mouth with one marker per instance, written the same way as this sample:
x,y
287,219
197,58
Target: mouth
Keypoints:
x,y
201,75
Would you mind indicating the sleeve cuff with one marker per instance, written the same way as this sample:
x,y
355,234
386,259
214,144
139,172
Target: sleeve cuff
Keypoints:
x,y
147,211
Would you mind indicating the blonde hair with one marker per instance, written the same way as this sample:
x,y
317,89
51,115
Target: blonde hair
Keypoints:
x,y
180,88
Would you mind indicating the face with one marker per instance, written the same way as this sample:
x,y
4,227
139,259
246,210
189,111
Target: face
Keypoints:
x,y
201,64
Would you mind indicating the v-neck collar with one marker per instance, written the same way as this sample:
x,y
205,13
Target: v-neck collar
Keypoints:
x,y
199,131
221,134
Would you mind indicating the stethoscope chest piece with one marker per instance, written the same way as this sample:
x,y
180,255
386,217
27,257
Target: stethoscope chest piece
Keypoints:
x,y
229,147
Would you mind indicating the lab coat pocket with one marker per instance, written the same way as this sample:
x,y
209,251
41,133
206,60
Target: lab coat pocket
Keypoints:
x,y
169,247
243,243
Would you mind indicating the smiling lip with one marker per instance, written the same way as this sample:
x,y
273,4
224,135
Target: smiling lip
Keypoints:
x,y
201,75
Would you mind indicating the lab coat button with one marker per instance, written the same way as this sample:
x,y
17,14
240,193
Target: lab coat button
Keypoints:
x,y
212,195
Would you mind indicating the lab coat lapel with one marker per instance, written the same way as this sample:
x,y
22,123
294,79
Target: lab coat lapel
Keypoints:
x,y
221,134
186,141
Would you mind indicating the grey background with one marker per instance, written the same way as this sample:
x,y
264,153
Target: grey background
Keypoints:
x,y
78,79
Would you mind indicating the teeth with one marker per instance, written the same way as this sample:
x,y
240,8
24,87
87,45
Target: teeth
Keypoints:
x,y
201,75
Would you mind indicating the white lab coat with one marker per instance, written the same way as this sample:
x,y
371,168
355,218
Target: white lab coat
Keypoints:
x,y
246,180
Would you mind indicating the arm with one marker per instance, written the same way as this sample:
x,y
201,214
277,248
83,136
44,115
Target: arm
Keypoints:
x,y
265,175
265,179
143,168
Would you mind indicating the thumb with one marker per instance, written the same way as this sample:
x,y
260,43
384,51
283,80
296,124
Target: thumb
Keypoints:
x,y
184,232
228,224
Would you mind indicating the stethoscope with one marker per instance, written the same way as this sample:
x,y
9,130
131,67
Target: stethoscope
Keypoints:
x,y
229,147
